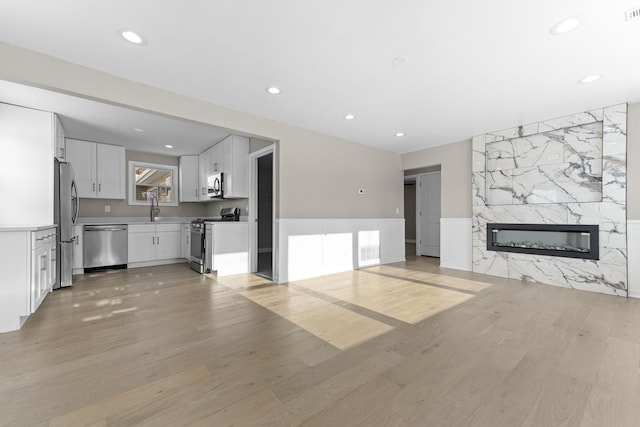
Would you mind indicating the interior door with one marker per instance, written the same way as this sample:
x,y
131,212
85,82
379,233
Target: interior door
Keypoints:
x,y
265,217
430,214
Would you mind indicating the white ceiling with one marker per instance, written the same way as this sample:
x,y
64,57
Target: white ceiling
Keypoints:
x,y
96,121
473,66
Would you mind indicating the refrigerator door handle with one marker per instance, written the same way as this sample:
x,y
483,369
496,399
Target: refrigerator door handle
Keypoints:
x,y
76,202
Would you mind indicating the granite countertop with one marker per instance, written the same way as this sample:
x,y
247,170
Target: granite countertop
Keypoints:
x,y
133,220
26,227
138,220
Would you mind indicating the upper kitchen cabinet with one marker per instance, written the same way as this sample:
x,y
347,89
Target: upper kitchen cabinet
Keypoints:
x,y
235,166
203,173
99,169
26,166
58,138
189,179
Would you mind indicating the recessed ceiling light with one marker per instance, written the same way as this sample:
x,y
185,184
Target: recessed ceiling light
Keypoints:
x,y
273,90
138,129
133,37
400,134
565,26
589,79
349,117
399,60
168,146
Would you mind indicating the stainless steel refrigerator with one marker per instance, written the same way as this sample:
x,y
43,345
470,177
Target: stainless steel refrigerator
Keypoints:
x,y
66,207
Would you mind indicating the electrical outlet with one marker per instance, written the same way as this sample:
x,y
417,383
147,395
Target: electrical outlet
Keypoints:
x,y
107,208
361,191
397,210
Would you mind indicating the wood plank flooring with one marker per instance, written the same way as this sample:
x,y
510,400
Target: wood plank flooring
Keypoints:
x,y
406,344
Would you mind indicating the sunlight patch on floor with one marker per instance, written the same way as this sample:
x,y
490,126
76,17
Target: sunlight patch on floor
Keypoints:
x,y
395,295
439,279
336,325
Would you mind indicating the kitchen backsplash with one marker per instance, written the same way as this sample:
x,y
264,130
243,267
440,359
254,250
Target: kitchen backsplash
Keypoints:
x,y
121,208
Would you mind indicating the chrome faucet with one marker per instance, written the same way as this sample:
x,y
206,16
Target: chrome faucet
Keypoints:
x,y
155,208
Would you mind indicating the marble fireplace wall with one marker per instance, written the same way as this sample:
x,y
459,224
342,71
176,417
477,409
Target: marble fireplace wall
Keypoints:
x,y
570,170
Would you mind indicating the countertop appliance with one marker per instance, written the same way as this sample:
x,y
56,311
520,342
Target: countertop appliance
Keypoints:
x,y
65,214
215,186
105,246
199,253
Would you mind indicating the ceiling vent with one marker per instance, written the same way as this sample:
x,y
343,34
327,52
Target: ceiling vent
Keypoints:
x,y
632,14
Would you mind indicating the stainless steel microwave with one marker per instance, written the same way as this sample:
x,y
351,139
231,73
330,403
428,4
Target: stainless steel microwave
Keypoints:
x,y
215,185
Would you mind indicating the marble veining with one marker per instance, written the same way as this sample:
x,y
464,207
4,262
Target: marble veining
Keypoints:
x,y
569,170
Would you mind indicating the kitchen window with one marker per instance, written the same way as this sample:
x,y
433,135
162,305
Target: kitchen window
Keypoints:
x,y
149,179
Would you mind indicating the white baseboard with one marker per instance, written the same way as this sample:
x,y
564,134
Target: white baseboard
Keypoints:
x,y
155,262
455,243
633,257
317,247
409,240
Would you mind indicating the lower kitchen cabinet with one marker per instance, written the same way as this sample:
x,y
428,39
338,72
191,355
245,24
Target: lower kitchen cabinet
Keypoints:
x,y
154,242
186,242
78,266
228,244
28,265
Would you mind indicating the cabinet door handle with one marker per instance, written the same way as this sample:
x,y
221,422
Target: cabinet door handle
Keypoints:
x,y
93,186
99,188
196,192
158,239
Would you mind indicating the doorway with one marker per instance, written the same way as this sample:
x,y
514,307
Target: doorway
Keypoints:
x,y
428,223
264,221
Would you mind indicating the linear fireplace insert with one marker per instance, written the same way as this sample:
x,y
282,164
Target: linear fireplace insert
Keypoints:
x,y
564,240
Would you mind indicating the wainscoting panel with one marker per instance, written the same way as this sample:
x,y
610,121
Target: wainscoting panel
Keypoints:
x,y
455,243
633,238
317,247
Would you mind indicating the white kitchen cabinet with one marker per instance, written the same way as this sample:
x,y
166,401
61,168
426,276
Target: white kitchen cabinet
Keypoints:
x,y
230,248
168,241
58,137
43,266
189,178
99,169
216,158
203,173
78,266
28,265
186,241
235,166
26,166
154,242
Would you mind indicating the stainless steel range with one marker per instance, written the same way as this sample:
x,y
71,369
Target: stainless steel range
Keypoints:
x,y
199,255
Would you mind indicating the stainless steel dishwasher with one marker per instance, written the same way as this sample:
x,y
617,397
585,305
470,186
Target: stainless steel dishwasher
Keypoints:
x,y
105,246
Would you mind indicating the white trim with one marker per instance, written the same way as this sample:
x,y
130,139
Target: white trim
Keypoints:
x,y
132,183
456,243
156,262
409,240
253,210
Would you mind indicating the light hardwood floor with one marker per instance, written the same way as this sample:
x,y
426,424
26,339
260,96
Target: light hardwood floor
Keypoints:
x,y
405,344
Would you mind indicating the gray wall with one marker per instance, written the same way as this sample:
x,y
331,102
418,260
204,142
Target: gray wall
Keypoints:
x,y
633,162
317,176
454,161
121,208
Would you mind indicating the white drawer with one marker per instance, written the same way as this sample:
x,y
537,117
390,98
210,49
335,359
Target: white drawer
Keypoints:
x,y
43,237
142,228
